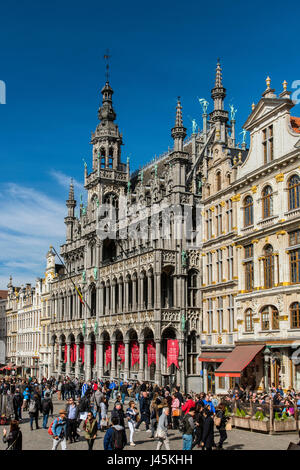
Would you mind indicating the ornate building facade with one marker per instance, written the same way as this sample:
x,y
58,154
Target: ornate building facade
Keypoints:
x,y
227,279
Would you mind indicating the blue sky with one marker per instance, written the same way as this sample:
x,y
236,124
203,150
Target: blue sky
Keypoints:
x,y
51,59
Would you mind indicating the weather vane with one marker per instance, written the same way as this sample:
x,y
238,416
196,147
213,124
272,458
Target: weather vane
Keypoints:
x,y
106,58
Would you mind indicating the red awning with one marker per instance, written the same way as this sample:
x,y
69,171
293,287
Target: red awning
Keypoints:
x,y
240,357
213,356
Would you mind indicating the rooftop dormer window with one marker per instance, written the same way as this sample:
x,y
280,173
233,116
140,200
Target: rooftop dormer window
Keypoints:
x,y
267,141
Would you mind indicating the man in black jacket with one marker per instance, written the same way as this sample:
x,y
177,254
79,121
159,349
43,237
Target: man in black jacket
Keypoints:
x,y
118,413
145,411
47,408
72,414
208,430
17,403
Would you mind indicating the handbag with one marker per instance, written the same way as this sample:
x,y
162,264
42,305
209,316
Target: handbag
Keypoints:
x,y
217,421
228,425
176,412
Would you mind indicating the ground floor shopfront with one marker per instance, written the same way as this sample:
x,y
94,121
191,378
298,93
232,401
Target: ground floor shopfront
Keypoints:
x,y
259,365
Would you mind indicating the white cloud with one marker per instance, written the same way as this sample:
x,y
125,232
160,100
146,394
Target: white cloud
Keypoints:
x,y
30,221
64,180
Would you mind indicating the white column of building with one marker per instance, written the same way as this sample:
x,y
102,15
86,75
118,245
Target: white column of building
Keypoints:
x,y
158,362
142,360
127,358
113,359
87,359
149,280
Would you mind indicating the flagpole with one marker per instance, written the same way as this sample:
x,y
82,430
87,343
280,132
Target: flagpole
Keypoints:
x,y
80,295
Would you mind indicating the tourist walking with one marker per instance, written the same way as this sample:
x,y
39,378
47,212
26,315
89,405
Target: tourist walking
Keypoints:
x,y
131,415
34,408
162,430
187,428
47,408
220,422
59,430
114,436
208,430
145,411
90,428
72,420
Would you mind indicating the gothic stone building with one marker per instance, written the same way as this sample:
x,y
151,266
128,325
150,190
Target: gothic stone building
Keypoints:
x,y
196,286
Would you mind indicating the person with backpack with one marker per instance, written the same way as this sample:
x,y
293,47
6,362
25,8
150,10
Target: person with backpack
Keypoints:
x,y
114,436
47,408
58,431
187,426
34,408
90,428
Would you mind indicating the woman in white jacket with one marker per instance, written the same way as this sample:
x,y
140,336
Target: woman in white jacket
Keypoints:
x,y
131,415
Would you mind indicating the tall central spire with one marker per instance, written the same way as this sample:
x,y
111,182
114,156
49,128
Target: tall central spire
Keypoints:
x,y
218,93
218,82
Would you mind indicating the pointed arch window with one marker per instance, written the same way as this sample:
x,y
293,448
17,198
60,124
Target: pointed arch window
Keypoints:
x,y
192,288
219,181
294,192
102,155
192,354
267,202
248,211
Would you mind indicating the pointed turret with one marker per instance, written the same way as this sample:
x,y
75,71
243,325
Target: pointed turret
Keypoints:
x,y
218,115
106,111
178,132
69,220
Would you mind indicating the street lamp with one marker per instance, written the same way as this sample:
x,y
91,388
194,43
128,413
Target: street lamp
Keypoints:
x,y
267,356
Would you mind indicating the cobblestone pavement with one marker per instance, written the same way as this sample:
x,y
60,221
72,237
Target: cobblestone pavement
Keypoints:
x,y
237,439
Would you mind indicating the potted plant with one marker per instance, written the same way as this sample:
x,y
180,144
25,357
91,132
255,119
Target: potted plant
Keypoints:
x,y
284,422
241,419
260,422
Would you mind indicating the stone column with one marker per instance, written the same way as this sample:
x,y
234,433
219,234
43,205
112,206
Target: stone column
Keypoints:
x,y
113,297
157,290
77,365
141,292
142,361
68,364
149,276
120,286
276,269
158,363
113,359
134,305
125,308
100,300
127,358
107,300
52,356
87,360
100,362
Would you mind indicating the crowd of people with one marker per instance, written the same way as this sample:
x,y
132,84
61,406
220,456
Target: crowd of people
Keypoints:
x,y
108,407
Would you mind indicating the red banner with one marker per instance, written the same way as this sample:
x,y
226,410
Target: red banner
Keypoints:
x,y
66,353
95,353
172,352
107,353
151,352
135,353
121,351
81,351
73,353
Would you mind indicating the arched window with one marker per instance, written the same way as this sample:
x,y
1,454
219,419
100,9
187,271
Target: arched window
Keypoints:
x,y
275,318
294,192
192,288
111,158
192,353
219,182
249,320
102,155
295,315
268,267
265,319
248,211
267,202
